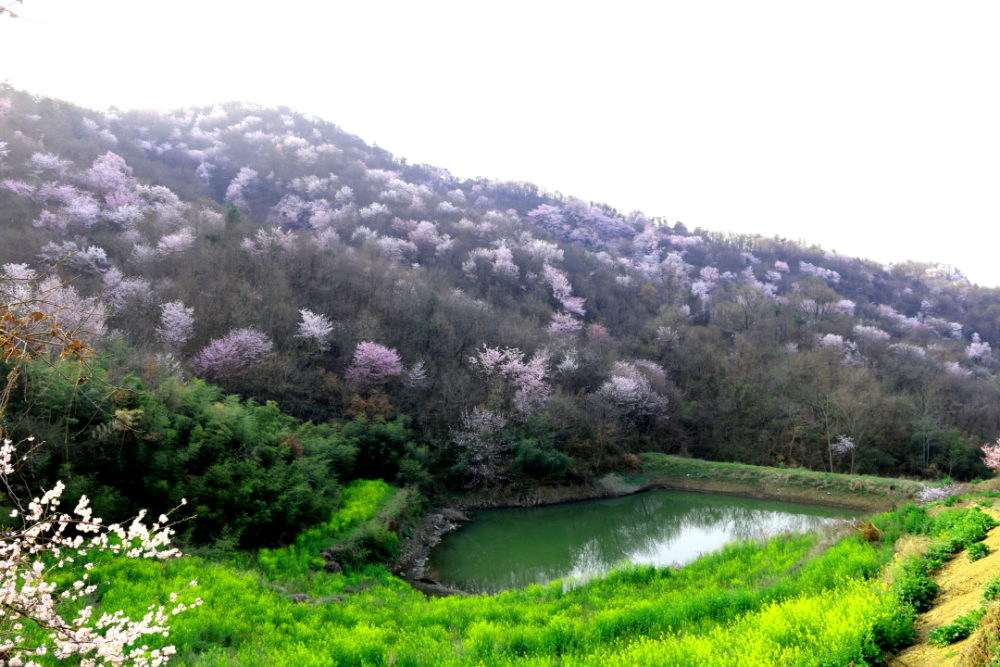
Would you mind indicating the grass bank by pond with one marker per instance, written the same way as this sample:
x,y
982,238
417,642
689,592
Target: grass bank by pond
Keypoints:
x,y
799,485
661,471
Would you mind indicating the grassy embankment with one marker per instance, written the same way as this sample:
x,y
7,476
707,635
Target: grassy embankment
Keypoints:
x,y
795,599
793,484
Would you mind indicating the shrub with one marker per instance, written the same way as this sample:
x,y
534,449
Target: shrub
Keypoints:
x,y
914,587
976,551
992,589
959,629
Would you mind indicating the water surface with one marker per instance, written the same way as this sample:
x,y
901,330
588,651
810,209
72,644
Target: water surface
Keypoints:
x,y
511,548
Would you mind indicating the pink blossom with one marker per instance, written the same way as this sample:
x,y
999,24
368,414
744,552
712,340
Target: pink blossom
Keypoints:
x,y
447,208
629,393
373,365
548,216
870,334
240,185
686,242
40,162
19,188
344,196
271,240
930,494
68,310
396,250
175,243
781,266
845,307
991,455
416,376
110,173
380,175
232,354
316,328
545,251
525,379
561,290
978,350
503,263
373,211
424,233
647,242
564,324
842,445
124,293
83,209
818,271
953,368
59,192
709,274
176,324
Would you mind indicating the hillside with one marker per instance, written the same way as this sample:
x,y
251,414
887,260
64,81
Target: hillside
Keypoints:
x,y
493,330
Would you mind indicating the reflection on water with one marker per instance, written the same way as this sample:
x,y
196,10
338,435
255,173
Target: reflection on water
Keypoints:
x,y
510,548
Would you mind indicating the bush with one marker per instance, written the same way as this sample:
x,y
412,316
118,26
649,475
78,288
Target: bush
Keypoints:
x,y
913,586
959,629
976,551
992,589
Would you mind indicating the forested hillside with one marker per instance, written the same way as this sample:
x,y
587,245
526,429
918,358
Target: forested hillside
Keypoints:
x,y
443,332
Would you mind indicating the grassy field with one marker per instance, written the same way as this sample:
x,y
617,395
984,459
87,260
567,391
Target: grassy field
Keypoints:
x,y
793,600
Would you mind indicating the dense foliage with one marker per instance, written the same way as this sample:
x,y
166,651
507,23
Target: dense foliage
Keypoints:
x,y
501,332
253,476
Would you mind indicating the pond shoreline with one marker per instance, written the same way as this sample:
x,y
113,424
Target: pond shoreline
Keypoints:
x,y
760,483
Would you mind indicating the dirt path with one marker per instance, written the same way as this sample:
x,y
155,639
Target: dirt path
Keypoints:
x,y
961,585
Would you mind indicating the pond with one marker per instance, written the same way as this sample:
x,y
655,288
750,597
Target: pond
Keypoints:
x,y
511,548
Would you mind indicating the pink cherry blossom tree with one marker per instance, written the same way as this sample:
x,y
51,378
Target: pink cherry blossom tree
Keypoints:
x,y
232,354
176,324
629,394
373,365
978,350
240,186
315,328
522,383
562,290
991,456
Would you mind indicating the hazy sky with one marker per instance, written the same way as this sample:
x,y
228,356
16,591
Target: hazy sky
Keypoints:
x,y
871,128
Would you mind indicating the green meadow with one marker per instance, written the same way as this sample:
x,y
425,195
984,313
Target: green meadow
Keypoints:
x,y
812,599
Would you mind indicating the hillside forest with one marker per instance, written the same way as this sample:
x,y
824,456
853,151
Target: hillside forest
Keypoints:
x,y
278,308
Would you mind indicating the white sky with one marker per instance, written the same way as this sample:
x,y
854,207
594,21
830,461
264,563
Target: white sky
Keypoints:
x,y
871,128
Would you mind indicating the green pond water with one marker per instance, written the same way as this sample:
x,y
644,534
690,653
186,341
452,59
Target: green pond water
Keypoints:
x,y
511,548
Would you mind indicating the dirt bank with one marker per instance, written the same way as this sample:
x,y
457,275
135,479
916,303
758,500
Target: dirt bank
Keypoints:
x,y
961,591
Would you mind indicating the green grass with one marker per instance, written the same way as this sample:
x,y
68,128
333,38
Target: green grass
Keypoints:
x,y
662,466
794,599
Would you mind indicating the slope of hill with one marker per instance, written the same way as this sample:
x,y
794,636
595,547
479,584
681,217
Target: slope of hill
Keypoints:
x,y
512,333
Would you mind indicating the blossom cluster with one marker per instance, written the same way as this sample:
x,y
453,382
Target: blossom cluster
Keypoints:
x,y
373,365
50,541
